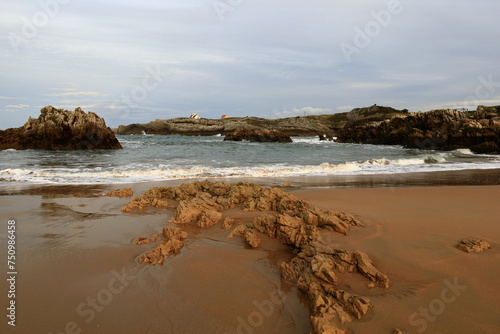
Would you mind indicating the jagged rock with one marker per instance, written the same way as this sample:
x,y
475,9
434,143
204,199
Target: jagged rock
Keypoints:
x,y
172,233
487,113
436,130
337,221
144,201
125,192
397,331
248,235
473,245
58,129
324,268
172,246
355,305
190,211
260,136
286,218
366,267
162,251
142,241
323,325
209,218
289,230
227,223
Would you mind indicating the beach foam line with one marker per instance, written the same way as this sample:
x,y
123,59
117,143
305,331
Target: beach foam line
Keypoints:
x,y
142,172
152,174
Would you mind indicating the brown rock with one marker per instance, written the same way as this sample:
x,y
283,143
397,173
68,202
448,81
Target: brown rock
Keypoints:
x,y
355,305
58,129
190,210
473,245
174,233
287,219
227,223
141,241
209,218
365,266
444,129
248,235
125,192
258,135
323,267
162,251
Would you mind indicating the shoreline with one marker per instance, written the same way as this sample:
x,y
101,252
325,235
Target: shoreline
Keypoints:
x,y
414,179
76,243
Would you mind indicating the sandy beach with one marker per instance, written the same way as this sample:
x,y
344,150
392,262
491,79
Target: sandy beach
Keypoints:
x,y
78,270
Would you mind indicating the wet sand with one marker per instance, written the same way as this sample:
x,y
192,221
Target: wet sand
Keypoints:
x,y
410,235
78,272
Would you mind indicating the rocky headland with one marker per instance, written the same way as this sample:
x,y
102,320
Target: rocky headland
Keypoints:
x,y
59,129
318,125
444,129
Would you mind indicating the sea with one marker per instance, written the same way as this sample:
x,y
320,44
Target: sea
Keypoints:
x,y
146,158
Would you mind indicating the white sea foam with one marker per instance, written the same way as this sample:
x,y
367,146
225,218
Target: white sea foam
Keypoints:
x,y
464,151
153,174
153,158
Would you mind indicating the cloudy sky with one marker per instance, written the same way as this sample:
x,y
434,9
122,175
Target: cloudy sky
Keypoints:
x,y
136,61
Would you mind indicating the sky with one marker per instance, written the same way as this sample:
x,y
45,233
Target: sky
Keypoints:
x,y
137,61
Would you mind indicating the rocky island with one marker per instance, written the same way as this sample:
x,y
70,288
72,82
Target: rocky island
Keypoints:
x,y
443,129
59,129
316,125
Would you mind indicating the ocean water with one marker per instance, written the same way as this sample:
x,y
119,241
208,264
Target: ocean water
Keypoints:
x,y
155,157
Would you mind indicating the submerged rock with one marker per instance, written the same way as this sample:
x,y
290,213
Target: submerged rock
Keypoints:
x,y
58,129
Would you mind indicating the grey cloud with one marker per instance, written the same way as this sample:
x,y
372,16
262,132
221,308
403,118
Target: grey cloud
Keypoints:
x,y
265,56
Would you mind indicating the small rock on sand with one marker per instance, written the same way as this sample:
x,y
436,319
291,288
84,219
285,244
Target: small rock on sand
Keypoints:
x,y
473,245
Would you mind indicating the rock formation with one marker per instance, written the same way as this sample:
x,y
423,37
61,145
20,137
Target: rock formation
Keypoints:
x,y
436,130
261,136
314,125
293,222
125,192
473,245
171,246
58,129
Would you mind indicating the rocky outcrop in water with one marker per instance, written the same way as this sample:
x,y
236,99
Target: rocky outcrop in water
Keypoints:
x,y
293,222
261,136
58,129
317,125
435,130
